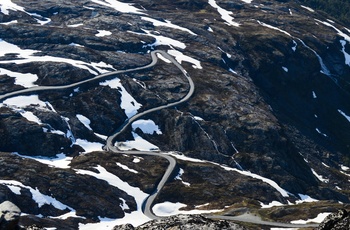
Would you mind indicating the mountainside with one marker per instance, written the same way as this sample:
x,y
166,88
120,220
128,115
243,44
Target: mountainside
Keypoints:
x,y
266,130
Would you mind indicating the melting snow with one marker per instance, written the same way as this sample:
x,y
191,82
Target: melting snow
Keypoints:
x,y
162,40
345,168
138,143
346,55
324,68
102,33
305,199
274,28
181,57
75,25
27,56
272,183
345,36
136,217
23,101
24,79
346,116
178,177
225,15
308,8
61,160
270,205
128,103
7,5
198,118
147,126
9,23
161,57
37,196
317,130
320,217
167,24
84,120
168,209
319,177
89,146
294,48
119,6
126,168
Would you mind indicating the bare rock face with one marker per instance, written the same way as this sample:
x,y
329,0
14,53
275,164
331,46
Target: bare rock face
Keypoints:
x,y
184,222
336,221
9,216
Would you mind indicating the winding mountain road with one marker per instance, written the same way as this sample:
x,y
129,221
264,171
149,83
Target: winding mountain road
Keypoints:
x,y
147,205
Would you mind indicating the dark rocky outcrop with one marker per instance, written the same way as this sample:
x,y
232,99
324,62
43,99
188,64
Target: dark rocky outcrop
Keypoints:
x,y
184,222
336,221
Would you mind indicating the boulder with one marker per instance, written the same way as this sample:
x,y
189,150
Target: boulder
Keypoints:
x,y
9,216
336,221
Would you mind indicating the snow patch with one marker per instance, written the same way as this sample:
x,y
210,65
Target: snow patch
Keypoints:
x,y
225,15
247,1
294,47
61,160
162,40
119,6
168,209
10,22
24,101
178,177
37,196
319,177
305,199
272,183
270,205
136,217
314,95
274,28
341,33
167,23
75,25
126,168
128,103
308,8
318,219
346,116
179,56
346,55
89,146
138,143
102,33
285,69
147,126
84,120
323,134
28,56
30,117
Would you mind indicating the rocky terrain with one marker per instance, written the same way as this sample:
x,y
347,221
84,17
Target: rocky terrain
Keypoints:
x,y
268,124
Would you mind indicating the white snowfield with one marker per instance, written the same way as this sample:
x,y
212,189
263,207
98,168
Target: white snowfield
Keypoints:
x,y
225,14
27,56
